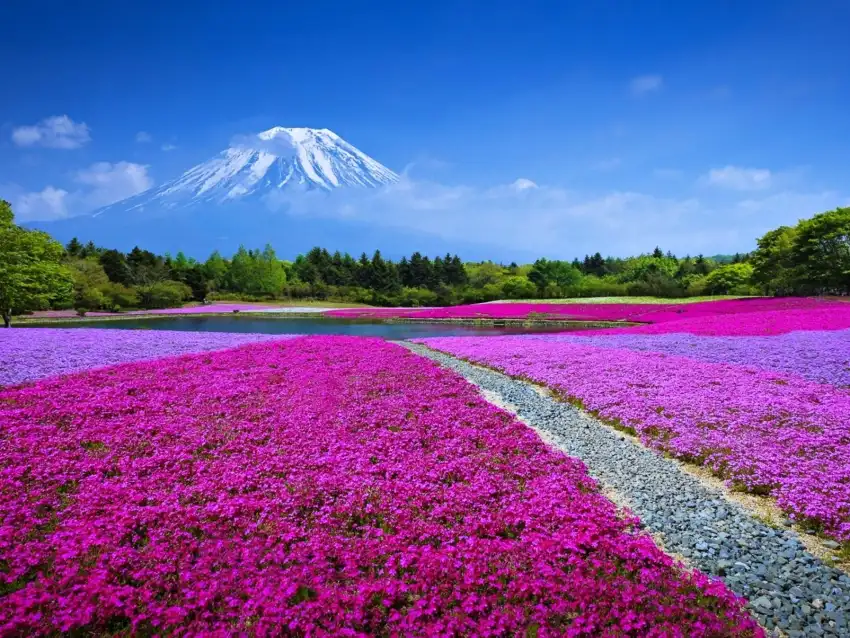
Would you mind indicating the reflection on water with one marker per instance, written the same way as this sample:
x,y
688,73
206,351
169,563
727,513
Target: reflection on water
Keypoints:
x,y
312,326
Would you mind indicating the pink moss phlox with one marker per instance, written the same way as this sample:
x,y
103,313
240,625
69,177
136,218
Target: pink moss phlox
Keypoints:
x,y
826,316
766,431
27,354
643,313
316,486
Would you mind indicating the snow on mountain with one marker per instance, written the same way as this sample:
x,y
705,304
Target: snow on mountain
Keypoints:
x,y
276,159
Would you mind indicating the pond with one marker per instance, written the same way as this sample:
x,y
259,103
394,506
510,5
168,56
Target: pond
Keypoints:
x,y
395,331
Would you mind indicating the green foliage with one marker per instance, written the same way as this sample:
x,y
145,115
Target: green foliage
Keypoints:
x,y
416,297
518,287
773,266
655,267
116,267
812,257
821,252
7,218
32,275
729,279
593,286
215,270
485,273
163,294
256,273
561,274
89,277
119,297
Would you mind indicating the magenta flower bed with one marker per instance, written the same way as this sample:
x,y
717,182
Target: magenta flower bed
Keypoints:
x,y
27,354
316,486
828,316
768,432
647,313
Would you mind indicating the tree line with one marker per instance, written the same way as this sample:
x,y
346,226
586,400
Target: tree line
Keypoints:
x,y
36,272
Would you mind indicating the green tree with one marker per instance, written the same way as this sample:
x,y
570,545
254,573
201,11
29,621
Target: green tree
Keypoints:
x,y
485,273
119,297
115,266
89,280
518,287
821,251
74,247
732,279
384,275
773,265
559,273
32,275
164,294
215,270
270,276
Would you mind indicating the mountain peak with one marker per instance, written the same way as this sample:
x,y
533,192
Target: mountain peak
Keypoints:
x,y
297,134
273,160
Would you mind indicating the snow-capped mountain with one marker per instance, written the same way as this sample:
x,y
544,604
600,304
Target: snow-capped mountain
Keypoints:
x,y
251,194
276,159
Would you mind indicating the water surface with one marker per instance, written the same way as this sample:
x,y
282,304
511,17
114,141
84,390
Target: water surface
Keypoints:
x,y
395,331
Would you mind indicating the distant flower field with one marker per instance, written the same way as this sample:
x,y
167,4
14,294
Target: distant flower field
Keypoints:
x,y
27,354
629,300
654,313
313,486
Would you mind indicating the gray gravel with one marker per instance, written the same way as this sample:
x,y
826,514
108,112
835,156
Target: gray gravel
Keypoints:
x,y
787,587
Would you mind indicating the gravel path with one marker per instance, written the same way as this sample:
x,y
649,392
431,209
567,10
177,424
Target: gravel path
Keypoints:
x,y
788,588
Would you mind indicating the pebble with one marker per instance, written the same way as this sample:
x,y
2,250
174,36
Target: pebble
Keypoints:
x,y
802,596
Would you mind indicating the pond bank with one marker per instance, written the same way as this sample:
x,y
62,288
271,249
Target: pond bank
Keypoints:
x,y
478,322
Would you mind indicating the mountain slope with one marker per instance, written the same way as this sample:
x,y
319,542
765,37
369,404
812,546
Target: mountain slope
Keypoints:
x,y
278,159
230,200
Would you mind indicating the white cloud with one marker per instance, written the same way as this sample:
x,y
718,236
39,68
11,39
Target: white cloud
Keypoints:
x,y
143,137
606,164
100,184
739,178
523,184
796,205
47,204
644,84
110,183
58,131
168,147
555,222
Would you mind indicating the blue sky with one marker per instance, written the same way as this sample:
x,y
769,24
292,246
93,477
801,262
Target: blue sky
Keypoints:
x,y
696,126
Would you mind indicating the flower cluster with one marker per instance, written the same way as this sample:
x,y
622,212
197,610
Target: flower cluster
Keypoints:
x,y
315,486
822,356
641,313
827,316
767,432
27,354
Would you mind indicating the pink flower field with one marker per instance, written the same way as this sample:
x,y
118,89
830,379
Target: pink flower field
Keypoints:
x,y
768,413
639,313
828,316
326,486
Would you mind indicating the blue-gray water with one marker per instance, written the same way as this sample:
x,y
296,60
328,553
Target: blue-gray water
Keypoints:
x,y
309,326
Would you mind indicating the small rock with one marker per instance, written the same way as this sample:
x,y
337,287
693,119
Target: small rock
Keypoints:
x,y
762,602
830,544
